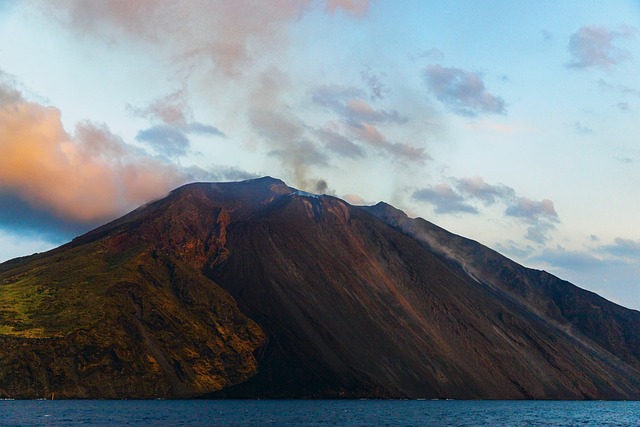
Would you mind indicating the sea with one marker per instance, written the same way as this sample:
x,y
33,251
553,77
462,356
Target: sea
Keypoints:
x,y
317,413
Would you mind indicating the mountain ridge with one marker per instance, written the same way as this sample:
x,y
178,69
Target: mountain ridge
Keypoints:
x,y
254,289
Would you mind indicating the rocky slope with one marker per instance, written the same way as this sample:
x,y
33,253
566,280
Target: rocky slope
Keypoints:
x,y
254,289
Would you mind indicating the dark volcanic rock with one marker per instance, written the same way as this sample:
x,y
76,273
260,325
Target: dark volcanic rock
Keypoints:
x,y
254,289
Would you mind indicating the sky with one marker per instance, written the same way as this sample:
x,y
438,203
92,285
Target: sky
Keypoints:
x,y
512,123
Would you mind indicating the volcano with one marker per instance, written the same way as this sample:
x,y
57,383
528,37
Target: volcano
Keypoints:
x,y
254,289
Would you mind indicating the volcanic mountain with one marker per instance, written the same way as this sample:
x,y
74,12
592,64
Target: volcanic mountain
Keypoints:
x,y
256,289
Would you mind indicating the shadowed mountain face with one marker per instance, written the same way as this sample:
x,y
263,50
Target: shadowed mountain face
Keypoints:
x,y
254,289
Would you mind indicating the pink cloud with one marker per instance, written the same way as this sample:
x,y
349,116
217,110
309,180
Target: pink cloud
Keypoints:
x,y
372,136
355,7
228,33
172,109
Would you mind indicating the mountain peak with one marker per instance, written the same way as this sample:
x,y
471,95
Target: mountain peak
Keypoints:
x,y
386,212
264,180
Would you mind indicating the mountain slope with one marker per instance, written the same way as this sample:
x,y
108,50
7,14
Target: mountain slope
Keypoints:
x,y
609,325
254,289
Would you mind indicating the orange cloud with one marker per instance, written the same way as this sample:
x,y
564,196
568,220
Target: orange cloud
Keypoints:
x,y
90,176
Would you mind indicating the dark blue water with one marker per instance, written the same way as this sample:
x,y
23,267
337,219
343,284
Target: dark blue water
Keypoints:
x,y
317,413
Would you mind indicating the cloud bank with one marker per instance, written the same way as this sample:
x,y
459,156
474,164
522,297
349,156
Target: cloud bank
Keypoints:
x,y
66,179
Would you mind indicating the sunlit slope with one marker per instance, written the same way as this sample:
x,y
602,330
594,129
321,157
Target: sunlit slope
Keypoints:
x,y
121,315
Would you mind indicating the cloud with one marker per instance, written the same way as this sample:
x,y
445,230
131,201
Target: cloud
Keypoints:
x,y
218,173
19,217
334,97
277,127
288,140
461,195
538,231
512,248
339,144
173,141
569,260
372,136
286,136
592,47
226,34
377,88
361,121
357,8
530,209
621,252
91,175
8,92
358,110
476,187
445,199
204,129
541,217
170,137
229,53
172,109
463,92
167,140
611,258
623,248
349,104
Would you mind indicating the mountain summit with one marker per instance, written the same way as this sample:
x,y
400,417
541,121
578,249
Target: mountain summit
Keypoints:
x,y
256,289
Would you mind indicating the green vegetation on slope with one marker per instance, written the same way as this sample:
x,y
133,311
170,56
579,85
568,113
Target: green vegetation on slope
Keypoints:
x,y
120,315
61,292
